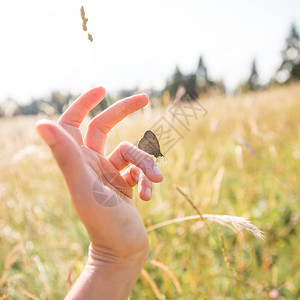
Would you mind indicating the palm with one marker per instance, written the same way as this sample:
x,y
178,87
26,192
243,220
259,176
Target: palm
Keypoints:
x,y
106,177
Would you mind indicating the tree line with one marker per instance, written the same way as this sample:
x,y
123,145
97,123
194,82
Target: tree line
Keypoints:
x,y
199,83
194,85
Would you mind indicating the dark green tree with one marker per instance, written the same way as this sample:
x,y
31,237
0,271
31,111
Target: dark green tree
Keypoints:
x,y
290,66
176,81
253,81
203,83
190,87
201,73
195,83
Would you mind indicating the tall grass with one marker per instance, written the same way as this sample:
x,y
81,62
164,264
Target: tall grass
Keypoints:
x,y
242,159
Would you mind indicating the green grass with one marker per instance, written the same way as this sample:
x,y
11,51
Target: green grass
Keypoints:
x,y
186,261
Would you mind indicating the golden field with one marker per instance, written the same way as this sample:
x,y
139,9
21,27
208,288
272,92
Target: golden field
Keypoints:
x,y
241,159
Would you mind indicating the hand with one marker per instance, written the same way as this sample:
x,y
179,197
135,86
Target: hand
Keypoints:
x,y
101,191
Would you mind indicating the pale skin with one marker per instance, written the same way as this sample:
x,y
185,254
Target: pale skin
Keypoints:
x,y
118,240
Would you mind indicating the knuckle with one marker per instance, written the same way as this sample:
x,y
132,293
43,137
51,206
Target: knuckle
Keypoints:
x,y
126,148
135,173
125,144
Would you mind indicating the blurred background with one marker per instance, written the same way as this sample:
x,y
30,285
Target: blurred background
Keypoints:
x,y
143,46
240,155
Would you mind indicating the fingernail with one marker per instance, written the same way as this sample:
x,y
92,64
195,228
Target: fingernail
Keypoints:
x,y
157,171
148,193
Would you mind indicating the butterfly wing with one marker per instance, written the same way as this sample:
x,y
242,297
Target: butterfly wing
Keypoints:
x,y
149,143
145,145
151,137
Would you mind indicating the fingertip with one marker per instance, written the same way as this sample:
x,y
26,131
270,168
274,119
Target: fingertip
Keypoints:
x,y
101,89
145,193
97,92
155,175
98,88
45,129
144,99
41,122
144,187
44,123
160,178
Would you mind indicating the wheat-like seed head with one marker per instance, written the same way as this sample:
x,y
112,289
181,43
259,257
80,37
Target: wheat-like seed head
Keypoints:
x,y
84,22
236,224
232,222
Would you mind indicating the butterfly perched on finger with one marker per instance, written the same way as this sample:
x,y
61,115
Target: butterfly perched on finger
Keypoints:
x,y
150,144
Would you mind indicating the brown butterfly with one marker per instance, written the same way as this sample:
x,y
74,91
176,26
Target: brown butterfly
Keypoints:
x,y
149,143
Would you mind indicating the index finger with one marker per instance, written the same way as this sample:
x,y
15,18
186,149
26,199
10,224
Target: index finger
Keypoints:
x,y
78,110
99,126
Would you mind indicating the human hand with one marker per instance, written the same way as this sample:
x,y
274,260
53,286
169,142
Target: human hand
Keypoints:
x,y
101,187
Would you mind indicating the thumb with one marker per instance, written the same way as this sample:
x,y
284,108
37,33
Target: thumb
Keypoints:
x,y
64,149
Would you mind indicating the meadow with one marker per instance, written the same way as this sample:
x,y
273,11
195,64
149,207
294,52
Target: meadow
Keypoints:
x,y
241,159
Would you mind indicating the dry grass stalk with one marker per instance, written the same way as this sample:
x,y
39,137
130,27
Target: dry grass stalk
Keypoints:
x,y
29,295
246,145
5,294
153,285
239,157
226,259
69,278
157,250
169,273
43,275
217,182
232,222
10,260
191,203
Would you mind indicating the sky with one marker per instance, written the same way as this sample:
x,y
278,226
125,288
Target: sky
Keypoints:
x,y
136,43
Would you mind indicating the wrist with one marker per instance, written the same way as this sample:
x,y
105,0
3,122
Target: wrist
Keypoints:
x,y
106,276
97,257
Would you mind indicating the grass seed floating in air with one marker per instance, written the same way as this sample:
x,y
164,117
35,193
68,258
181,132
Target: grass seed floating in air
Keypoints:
x,y
84,22
84,19
90,37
